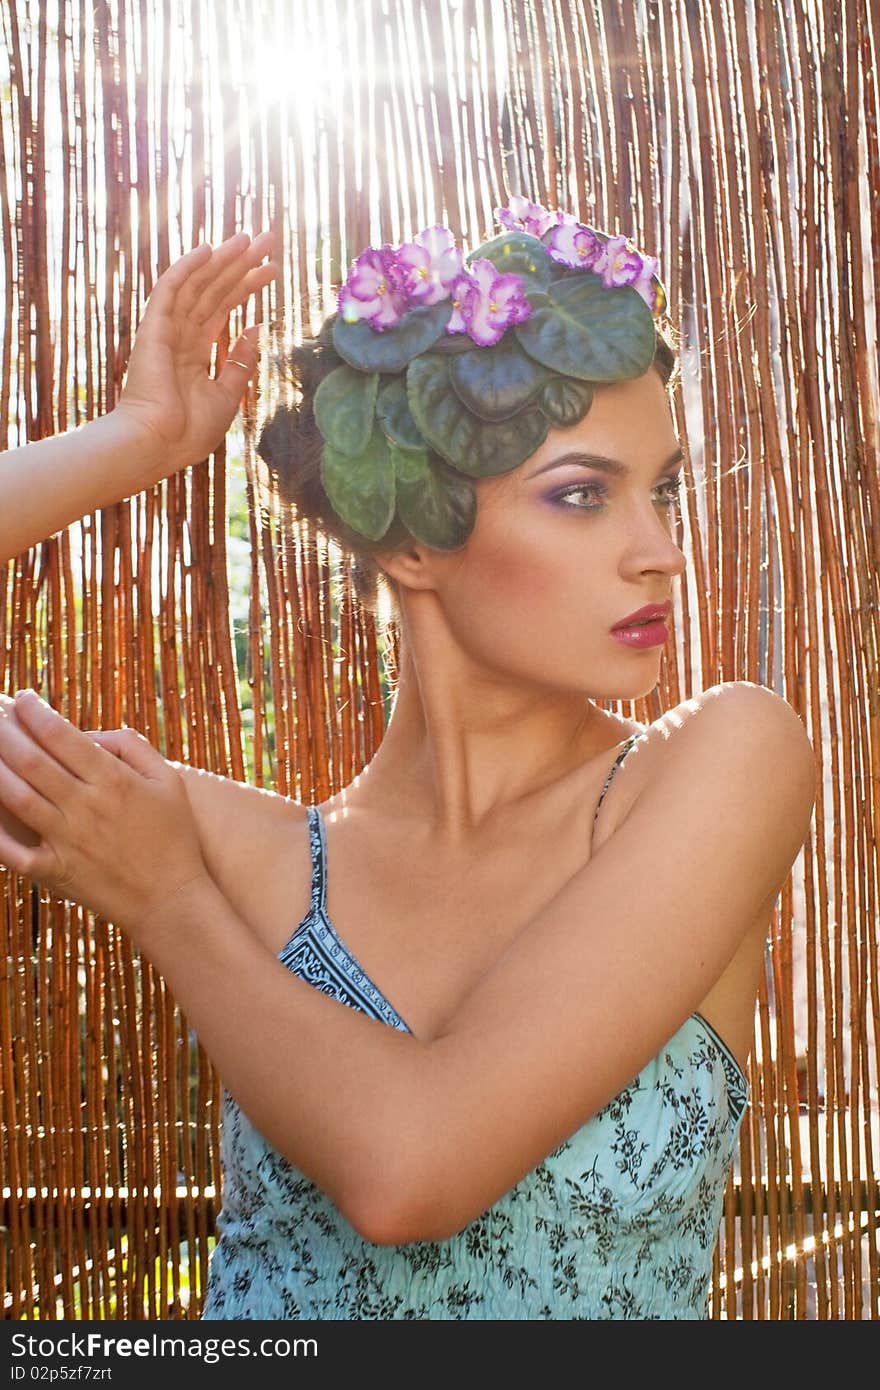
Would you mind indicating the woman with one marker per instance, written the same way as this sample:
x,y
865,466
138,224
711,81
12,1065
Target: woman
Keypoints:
x,y
546,924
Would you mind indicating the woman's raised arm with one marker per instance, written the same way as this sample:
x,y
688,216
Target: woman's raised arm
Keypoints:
x,y
171,412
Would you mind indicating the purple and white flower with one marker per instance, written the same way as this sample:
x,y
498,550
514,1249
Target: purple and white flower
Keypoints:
x,y
459,293
486,303
622,264
574,245
651,290
375,289
615,259
619,263
430,265
522,216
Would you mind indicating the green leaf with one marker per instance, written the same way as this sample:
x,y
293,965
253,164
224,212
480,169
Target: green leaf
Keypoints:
x,y
452,343
518,253
436,503
390,350
565,401
361,490
325,333
345,402
590,332
478,448
395,417
497,382
410,465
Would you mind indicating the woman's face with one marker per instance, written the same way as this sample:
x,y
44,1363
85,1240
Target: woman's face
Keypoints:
x,y
562,549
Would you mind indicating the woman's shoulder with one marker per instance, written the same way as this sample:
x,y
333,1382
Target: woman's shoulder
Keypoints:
x,y
255,846
724,704
728,710
227,804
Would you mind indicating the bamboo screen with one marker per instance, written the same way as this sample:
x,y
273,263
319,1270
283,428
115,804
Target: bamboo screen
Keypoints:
x,y
737,140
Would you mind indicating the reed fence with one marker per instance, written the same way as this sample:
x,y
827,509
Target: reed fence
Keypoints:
x,y
735,139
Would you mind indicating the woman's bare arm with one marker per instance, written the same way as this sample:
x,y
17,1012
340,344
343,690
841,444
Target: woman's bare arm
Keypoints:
x,y
614,965
412,1138
46,485
171,412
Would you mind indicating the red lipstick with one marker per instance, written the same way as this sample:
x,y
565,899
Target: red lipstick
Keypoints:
x,y
644,628
645,615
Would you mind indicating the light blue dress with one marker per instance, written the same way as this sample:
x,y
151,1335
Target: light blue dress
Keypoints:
x,y
619,1221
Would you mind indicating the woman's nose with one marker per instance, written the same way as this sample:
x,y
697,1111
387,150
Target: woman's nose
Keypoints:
x,y
654,547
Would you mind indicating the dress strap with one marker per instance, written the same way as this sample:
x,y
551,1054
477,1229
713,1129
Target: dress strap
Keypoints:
x,y
317,846
617,761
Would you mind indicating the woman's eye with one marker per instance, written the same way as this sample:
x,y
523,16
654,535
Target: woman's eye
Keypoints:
x,y
588,489
669,491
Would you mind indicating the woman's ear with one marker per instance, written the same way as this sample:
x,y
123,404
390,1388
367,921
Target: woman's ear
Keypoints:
x,y
410,567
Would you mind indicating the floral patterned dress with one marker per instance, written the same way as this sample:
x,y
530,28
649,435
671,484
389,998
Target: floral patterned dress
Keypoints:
x,y
619,1221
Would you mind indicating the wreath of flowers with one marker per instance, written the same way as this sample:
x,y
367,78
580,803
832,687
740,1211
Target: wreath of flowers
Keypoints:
x,y
444,368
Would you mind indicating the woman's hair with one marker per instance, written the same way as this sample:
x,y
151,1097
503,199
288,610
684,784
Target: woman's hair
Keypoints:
x,y
290,444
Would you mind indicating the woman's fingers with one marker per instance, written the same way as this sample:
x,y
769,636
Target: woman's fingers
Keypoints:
x,y
218,261
179,287
31,782
33,861
241,363
25,802
66,744
197,295
200,282
169,284
237,282
240,294
233,258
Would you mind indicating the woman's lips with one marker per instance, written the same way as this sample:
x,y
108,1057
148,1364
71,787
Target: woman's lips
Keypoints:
x,y
642,636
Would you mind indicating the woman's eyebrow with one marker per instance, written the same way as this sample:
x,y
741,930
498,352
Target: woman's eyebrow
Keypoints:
x,y
605,465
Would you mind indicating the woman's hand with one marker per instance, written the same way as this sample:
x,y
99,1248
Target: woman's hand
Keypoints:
x,y
168,393
116,832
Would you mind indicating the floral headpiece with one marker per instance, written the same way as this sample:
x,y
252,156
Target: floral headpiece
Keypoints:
x,y
449,369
